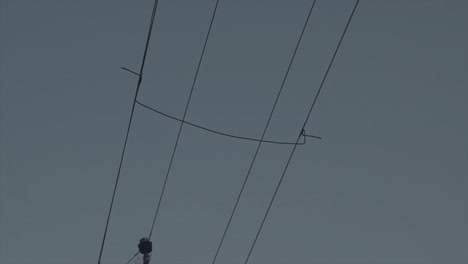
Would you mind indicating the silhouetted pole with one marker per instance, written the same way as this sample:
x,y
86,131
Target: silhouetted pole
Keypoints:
x,y
145,247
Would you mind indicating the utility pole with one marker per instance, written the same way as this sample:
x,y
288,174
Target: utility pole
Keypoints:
x,y
145,247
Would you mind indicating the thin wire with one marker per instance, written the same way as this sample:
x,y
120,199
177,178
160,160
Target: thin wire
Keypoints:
x,y
305,123
132,257
128,128
130,71
263,134
222,133
183,118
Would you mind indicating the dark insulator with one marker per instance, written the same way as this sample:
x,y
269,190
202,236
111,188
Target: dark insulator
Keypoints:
x,y
145,246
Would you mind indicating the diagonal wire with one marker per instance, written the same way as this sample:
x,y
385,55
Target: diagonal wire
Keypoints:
x,y
183,119
153,15
130,260
225,134
303,126
263,134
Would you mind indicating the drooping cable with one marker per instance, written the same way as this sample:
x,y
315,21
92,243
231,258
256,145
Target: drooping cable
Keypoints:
x,y
153,15
298,138
226,134
263,134
183,119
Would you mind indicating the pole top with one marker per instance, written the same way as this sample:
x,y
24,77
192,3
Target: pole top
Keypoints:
x,y
145,246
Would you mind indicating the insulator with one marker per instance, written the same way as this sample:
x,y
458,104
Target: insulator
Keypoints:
x,y
145,246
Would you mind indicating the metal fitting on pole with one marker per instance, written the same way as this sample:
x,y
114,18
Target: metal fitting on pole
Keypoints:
x,y
145,247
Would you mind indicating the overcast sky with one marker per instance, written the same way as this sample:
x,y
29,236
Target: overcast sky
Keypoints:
x,y
387,184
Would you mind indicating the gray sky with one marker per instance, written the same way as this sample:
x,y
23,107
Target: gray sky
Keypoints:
x,y
387,184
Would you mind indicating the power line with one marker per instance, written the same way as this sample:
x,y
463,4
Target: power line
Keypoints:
x,y
303,126
140,77
264,132
130,260
183,118
226,134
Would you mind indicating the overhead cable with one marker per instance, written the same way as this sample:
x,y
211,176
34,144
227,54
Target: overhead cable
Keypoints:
x,y
263,134
183,119
298,138
140,77
226,134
